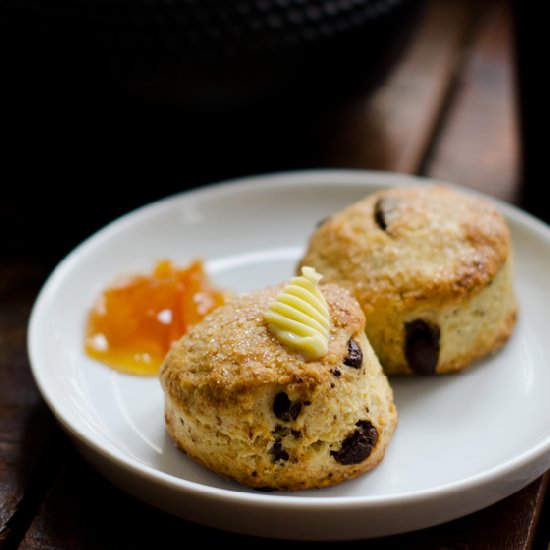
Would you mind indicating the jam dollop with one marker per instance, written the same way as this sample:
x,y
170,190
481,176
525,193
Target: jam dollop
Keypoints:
x,y
134,322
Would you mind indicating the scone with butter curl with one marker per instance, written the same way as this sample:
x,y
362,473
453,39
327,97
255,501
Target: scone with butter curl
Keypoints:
x,y
243,403
432,270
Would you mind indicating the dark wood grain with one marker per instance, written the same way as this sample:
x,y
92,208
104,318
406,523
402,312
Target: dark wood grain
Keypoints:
x,y
84,511
478,143
27,429
391,128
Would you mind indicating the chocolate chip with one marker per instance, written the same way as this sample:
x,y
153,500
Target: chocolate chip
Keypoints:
x,y
335,372
422,344
281,430
285,409
383,209
358,445
379,214
279,454
307,403
284,430
354,358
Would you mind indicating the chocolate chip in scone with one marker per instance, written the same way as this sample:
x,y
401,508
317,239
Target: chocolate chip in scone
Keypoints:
x,y
285,430
422,345
354,358
358,445
277,451
285,409
281,430
335,372
383,211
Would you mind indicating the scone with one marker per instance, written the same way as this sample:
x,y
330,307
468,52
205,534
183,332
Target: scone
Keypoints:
x,y
432,270
253,409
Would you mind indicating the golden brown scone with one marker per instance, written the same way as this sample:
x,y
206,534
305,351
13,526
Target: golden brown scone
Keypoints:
x,y
431,268
244,405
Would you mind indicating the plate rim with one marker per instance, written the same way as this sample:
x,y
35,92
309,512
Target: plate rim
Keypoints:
x,y
329,177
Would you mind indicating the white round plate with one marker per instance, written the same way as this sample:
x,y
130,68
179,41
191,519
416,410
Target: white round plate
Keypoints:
x,y
462,442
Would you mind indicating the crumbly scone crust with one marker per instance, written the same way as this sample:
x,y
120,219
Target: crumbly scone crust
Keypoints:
x,y
221,380
423,252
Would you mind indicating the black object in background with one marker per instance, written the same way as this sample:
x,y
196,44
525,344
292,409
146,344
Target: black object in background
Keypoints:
x,y
531,42
110,104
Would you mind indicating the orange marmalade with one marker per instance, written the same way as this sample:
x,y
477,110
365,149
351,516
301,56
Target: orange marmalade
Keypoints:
x,y
134,323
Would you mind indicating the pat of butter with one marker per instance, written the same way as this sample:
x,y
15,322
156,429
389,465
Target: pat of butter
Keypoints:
x,y
299,317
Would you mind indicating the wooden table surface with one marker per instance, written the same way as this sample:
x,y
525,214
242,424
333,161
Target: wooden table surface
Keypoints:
x,y
446,109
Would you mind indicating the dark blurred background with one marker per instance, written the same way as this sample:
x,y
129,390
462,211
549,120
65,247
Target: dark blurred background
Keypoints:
x,y
109,104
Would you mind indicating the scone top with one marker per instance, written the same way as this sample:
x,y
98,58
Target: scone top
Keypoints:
x,y
232,345
299,317
400,240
